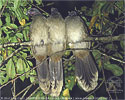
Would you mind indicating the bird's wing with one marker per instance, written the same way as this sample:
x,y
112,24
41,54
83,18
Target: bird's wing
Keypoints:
x,y
86,71
57,33
39,35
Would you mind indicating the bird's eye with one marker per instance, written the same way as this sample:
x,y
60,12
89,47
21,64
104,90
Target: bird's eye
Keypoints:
x,y
32,13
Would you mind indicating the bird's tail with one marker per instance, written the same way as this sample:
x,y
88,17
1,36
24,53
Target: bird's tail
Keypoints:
x,y
56,75
44,76
86,71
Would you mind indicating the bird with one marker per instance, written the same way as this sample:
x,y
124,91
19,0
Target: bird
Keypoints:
x,y
85,68
38,37
57,40
51,32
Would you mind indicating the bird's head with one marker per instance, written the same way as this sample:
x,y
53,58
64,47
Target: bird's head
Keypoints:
x,y
72,13
33,12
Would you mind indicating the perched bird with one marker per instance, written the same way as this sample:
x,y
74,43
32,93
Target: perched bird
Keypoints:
x,y
85,67
38,36
57,39
50,31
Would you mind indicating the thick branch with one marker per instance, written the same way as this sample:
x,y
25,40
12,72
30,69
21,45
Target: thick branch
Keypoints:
x,y
88,39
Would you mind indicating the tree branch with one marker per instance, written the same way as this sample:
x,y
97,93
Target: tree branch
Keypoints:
x,y
21,75
105,39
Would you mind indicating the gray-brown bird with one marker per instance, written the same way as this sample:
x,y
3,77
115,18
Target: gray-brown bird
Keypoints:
x,y
85,67
39,35
57,37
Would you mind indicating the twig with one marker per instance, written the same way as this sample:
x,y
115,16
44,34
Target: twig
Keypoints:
x,y
41,9
3,8
22,91
14,90
24,94
88,39
106,84
118,8
15,44
56,53
11,55
21,74
33,93
104,54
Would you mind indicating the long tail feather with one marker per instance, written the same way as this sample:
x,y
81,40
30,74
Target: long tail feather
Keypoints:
x,y
86,72
56,74
44,77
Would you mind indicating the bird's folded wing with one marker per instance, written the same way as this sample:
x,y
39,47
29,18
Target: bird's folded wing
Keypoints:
x,y
86,72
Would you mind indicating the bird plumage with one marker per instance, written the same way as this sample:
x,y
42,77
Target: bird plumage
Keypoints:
x,y
57,35
85,68
54,32
39,36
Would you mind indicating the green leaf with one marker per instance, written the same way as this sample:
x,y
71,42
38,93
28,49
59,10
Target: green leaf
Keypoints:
x,y
38,1
67,53
19,35
9,68
115,69
71,82
1,4
13,71
16,4
1,21
1,58
15,58
26,68
96,55
2,74
122,43
6,79
102,98
30,63
91,97
19,13
111,47
22,77
0,36
25,32
14,26
120,4
24,55
13,39
7,19
118,55
20,68
26,17
4,28
10,50
32,78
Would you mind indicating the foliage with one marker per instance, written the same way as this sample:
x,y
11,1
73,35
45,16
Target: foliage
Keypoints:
x,y
14,27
